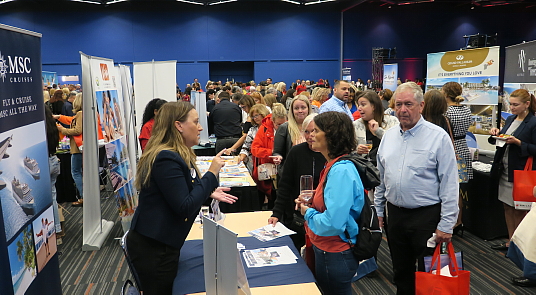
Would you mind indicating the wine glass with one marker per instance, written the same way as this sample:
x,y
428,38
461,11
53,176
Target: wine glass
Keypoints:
x,y
306,187
369,145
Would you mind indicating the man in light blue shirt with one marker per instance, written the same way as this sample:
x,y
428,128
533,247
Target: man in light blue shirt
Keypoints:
x,y
419,185
337,102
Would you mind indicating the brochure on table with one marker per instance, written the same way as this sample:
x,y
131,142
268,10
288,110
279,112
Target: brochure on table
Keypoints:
x,y
233,174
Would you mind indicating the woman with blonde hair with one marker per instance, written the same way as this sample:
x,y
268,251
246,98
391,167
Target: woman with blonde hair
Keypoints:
x,y
320,94
65,92
76,154
289,134
513,155
257,113
281,90
263,145
172,192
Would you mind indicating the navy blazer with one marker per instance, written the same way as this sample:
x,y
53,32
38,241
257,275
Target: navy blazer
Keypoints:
x,y
518,155
168,206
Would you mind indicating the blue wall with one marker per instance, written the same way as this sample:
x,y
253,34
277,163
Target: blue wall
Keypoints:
x,y
193,39
285,43
416,32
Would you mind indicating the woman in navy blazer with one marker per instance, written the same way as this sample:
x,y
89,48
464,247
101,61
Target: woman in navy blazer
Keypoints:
x,y
514,154
171,194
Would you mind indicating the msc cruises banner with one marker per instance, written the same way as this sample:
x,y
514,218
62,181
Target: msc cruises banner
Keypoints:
x,y
520,68
477,70
28,259
390,76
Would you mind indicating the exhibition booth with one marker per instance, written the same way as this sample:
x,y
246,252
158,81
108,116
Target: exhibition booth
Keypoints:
x,y
29,242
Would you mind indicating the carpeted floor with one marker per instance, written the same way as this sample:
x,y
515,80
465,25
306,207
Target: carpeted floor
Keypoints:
x,y
104,271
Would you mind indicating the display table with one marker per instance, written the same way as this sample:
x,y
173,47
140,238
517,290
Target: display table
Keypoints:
x,y
242,187
483,213
282,279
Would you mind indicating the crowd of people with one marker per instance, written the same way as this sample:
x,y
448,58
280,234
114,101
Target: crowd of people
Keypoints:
x,y
412,138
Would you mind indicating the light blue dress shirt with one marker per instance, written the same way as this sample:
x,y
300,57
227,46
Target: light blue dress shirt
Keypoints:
x,y
336,105
344,197
418,168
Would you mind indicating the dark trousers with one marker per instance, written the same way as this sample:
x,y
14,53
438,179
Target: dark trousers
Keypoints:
x,y
408,231
225,143
156,263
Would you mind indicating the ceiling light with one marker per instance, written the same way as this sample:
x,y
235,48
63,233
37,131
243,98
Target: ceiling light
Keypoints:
x,y
6,1
415,2
115,1
293,2
221,2
318,2
190,2
87,1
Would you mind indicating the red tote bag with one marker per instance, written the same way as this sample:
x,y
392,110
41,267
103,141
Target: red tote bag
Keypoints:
x,y
428,283
524,183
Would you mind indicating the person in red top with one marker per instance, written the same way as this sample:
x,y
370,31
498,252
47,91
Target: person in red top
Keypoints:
x,y
148,120
336,204
301,88
263,144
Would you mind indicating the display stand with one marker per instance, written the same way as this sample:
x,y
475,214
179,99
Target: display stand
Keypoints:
x,y
199,100
95,229
224,271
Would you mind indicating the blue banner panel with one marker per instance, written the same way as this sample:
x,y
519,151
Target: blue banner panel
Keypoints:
x,y
28,260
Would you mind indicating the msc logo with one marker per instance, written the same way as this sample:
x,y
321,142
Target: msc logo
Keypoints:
x,y
459,57
521,60
15,65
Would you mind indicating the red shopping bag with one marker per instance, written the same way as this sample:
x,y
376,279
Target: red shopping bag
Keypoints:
x,y
427,283
524,183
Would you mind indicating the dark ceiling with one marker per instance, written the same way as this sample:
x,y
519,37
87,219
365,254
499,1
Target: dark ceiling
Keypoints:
x,y
274,5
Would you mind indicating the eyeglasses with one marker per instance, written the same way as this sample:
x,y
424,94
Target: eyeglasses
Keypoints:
x,y
256,116
242,107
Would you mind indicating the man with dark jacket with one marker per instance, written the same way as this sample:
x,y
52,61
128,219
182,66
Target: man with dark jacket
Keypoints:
x,y
225,120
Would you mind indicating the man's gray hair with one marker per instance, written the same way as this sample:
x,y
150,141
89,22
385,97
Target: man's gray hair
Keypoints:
x,y
410,87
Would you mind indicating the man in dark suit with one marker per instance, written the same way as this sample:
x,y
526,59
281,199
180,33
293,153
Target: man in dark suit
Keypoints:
x,y
226,120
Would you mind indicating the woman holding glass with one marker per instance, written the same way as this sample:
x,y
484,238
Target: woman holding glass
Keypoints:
x,y
369,129
336,204
301,160
171,194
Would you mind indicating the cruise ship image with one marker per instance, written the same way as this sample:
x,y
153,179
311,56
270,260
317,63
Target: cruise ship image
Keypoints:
x,y
32,167
23,196
4,144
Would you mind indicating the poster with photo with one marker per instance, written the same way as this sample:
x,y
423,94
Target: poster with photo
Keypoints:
x,y
22,261
25,189
44,236
49,78
520,70
477,70
25,177
111,121
390,76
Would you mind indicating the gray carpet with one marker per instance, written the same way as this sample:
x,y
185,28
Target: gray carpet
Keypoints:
x,y
104,271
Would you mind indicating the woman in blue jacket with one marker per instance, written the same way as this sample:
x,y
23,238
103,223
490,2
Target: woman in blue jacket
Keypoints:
x,y
519,146
171,194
